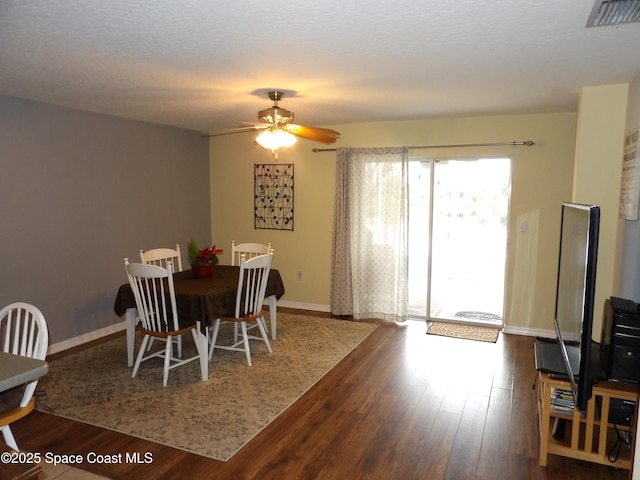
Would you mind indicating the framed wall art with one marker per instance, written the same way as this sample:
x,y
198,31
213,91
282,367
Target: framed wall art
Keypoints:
x,y
630,183
273,196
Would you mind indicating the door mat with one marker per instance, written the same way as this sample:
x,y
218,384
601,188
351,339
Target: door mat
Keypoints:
x,y
484,316
469,332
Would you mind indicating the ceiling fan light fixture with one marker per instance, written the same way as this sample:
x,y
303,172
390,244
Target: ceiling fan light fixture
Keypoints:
x,y
273,139
275,114
278,128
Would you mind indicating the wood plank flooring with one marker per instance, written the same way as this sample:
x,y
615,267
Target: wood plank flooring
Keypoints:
x,y
403,405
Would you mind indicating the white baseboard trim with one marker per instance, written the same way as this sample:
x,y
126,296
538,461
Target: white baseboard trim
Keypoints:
x,y
305,306
87,337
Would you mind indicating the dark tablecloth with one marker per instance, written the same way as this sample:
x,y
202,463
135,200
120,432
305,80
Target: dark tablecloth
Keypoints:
x,y
203,299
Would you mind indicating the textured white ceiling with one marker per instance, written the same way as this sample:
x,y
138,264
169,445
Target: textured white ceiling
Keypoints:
x,y
206,65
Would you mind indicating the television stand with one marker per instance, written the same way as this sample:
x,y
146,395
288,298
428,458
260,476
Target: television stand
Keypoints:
x,y
586,436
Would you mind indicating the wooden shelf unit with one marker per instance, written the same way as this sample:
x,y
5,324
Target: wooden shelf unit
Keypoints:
x,y
587,440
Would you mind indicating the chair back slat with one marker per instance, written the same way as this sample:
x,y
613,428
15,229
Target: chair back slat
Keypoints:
x,y
249,250
23,331
160,256
154,294
252,284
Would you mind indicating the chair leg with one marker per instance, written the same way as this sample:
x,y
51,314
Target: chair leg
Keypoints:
x,y
235,333
143,347
168,352
245,340
214,337
263,331
179,343
9,438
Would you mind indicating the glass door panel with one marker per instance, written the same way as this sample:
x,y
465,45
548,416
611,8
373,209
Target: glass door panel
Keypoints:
x,y
458,239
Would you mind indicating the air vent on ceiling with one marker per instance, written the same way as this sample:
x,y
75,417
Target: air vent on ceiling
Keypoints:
x,y
614,12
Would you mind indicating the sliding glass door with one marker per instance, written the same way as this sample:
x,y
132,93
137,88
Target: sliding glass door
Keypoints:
x,y
458,238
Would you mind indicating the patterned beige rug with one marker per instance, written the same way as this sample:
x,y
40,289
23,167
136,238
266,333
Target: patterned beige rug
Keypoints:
x,y
458,330
214,418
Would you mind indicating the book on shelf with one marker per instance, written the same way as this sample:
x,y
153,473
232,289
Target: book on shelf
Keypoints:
x,y
562,401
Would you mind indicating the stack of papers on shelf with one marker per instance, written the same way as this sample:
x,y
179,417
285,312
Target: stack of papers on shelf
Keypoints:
x,y
562,401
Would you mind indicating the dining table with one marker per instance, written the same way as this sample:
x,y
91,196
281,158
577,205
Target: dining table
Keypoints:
x,y
201,300
17,370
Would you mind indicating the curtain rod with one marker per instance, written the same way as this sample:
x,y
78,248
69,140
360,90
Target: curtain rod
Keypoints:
x,y
527,143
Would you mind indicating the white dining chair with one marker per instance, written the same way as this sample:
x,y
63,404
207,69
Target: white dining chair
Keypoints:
x,y
155,298
160,256
249,250
252,284
23,331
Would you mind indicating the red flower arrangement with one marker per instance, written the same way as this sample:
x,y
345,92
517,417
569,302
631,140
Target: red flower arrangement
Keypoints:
x,y
206,256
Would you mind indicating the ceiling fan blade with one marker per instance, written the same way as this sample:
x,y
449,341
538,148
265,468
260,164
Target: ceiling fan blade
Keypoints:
x,y
323,135
229,131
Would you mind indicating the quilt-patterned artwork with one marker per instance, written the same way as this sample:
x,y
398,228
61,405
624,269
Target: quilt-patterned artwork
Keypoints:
x,y
273,196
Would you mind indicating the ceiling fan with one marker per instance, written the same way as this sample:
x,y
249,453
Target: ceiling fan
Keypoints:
x,y
279,128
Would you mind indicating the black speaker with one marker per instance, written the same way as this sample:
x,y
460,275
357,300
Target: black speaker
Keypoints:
x,y
620,342
620,411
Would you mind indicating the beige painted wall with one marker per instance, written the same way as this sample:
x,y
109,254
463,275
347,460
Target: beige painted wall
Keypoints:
x,y
542,178
597,171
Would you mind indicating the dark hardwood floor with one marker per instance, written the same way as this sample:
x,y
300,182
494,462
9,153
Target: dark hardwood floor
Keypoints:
x,y
403,405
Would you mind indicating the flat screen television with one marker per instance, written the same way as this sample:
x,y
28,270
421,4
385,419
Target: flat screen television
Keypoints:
x,y
575,298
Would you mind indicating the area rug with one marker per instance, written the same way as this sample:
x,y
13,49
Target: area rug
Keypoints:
x,y
214,418
468,332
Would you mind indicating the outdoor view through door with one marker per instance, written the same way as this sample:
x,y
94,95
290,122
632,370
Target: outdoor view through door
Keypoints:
x,y
458,238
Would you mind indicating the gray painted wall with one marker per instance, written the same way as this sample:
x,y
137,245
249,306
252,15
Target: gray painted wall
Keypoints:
x,y
79,192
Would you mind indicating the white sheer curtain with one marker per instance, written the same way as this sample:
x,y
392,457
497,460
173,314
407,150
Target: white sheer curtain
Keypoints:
x,y
369,274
